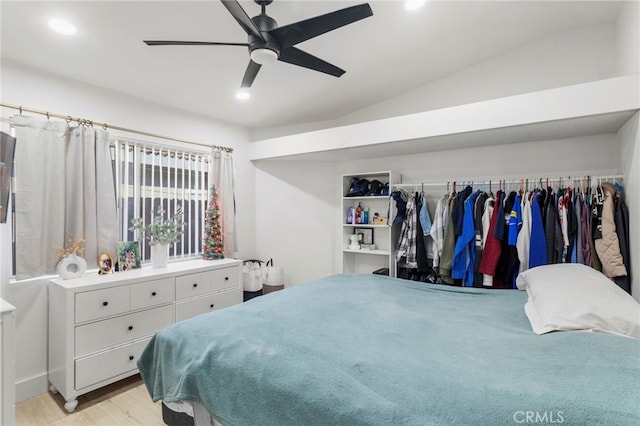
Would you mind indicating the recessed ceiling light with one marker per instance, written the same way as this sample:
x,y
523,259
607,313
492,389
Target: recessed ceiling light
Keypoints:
x,y
243,94
62,27
413,4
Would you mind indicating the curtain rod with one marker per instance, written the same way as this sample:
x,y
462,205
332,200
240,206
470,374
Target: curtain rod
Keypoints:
x,y
106,126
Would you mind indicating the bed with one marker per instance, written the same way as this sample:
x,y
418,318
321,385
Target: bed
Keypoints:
x,y
356,349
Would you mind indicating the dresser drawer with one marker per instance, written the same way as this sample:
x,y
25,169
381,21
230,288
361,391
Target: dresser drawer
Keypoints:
x,y
104,334
224,278
151,293
192,285
101,303
210,302
105,365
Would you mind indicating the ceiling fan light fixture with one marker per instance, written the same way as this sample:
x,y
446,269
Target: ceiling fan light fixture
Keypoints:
x,y
414,4
243,94
62,27
263,56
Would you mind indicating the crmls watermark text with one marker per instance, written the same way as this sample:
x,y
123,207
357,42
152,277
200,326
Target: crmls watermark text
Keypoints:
x,y
538,417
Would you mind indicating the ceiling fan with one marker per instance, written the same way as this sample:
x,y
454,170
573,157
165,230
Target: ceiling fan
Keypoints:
x,y
267,42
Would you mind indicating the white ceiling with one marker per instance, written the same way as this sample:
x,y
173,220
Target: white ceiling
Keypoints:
x,y
385,55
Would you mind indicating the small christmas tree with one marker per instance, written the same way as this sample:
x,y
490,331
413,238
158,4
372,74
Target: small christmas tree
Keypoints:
x,y
212,241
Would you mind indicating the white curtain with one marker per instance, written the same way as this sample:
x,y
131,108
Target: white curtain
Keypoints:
x,y
64,191
222,176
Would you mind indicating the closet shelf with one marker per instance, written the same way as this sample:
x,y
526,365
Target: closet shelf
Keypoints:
x,y
596,107
370,197
375,252
363,225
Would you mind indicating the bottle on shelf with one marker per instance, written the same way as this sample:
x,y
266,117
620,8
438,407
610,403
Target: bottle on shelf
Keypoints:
x,y
365,216
359,214
350,213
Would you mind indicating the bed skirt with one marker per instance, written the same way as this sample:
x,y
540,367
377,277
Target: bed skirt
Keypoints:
x,y
186,413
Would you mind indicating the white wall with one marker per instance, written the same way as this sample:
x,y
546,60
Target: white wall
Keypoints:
x,y
295,210
628,39
629,159
31,88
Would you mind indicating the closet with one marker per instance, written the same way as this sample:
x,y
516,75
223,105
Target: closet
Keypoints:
x,y
470,236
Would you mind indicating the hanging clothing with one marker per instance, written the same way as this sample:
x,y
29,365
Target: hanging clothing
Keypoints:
x,y
585,228
608,246
425,224
421,249
577,209
464,252
552,230
538,244
401,198
563,216
448,246
477,219
437,231
571,226
597,201
458,212
622,229
514,223
487,280
492,247
407,242
524,236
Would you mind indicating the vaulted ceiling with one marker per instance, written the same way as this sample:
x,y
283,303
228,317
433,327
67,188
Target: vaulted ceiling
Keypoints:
x,y
385,55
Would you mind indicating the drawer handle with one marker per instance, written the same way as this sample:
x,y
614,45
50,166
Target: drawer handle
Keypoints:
x,y
130,327
211,306
195,285
130,357
153,293
105,303
226,278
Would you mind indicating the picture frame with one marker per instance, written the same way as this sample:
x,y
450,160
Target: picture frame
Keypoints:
x,y
128,255
365,235
105,263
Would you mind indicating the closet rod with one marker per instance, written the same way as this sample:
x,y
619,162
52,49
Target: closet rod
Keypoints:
x,y
511,181
109,126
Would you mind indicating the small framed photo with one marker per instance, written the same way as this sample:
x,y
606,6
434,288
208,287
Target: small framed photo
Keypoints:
x,y
365,235
128,255
105,263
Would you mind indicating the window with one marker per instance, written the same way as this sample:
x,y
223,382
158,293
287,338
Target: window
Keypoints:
x,y
148,176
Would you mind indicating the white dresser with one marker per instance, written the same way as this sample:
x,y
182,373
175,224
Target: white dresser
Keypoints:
x,y
99,324
7,364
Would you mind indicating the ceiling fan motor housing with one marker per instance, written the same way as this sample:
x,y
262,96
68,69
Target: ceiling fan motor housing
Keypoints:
x,y
264,24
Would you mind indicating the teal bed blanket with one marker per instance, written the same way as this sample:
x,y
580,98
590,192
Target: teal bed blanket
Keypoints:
x,y
357,349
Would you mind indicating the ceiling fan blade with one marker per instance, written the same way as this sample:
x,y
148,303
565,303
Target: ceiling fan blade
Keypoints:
x,y
190,43
301,58
243,19
298,32
250,74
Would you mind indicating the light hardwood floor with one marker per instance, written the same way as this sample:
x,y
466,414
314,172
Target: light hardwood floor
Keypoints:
x,y
120,404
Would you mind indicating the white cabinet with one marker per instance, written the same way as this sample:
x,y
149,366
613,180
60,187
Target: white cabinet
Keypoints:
x,y
99,324
367,259
7,364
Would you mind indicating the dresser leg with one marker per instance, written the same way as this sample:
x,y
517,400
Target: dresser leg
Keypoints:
x,y
71,405
53,389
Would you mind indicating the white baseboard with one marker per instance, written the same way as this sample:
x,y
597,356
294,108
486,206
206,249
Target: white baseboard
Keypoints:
x,y
34,386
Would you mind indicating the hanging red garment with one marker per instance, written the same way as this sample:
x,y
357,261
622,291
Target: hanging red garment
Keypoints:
x,y
493,246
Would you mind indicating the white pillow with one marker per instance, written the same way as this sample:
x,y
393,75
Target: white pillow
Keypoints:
x,y
571,296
